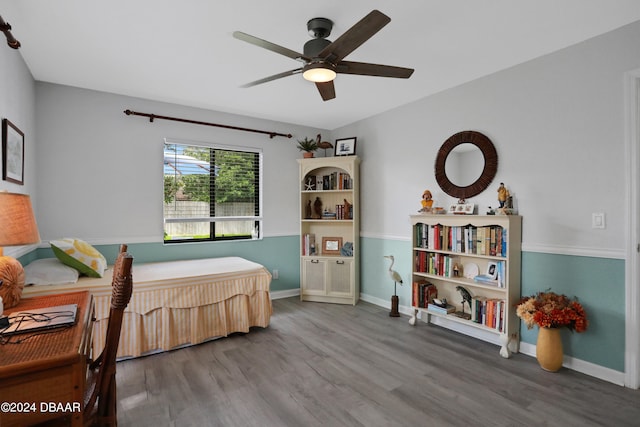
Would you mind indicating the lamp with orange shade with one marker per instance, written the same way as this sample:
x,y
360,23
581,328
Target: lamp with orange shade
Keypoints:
x,y
17,228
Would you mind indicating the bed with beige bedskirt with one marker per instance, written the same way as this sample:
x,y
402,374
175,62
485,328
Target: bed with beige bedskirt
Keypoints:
x,y
178,303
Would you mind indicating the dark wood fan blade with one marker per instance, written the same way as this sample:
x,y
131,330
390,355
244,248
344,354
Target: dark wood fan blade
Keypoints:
x,y
270,46
274,77
327,90
366,69
355,36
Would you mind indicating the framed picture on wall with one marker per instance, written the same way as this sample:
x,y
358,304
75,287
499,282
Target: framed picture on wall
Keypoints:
x,y
12,153
346,147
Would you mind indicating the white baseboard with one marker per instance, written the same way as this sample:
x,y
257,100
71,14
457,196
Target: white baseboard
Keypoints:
x,y
285,294
587,368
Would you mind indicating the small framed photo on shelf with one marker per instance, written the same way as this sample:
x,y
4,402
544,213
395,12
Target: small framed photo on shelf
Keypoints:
x,y
492,270
462,209
331,245
346,147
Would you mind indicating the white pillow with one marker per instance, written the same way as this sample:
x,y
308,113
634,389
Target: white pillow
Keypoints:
x,y
49,271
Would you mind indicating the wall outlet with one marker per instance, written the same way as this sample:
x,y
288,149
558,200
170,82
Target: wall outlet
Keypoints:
x,y
275,274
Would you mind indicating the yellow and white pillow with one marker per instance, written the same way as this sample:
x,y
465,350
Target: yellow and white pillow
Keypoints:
x,y
80,255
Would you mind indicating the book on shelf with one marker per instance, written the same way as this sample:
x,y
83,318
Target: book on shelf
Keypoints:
x,y
326,182
476,308
344,212
503,247
423,293
431,239
501,274
334,181
492,241
441,310
486,240
437,264
488,312
308,244
422,233
480,240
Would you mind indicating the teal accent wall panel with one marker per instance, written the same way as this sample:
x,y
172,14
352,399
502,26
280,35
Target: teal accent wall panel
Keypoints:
x,y
374,269
599,285
27,258
281,253
597,282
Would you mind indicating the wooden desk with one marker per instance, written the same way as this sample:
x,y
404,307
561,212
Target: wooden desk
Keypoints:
x,y
44,377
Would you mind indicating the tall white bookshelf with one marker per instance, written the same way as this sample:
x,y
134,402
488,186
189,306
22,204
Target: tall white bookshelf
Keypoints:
x,y
329,229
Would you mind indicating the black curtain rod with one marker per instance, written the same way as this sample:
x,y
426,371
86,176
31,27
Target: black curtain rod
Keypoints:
x,y
5,27
196,122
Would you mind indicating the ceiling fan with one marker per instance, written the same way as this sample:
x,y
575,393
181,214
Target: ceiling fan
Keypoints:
x,y
323,59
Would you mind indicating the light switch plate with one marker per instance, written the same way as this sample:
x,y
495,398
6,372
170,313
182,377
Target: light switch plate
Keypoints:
x,y
597,220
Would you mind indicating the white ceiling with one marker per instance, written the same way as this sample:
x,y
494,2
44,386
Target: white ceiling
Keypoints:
x,y
183,51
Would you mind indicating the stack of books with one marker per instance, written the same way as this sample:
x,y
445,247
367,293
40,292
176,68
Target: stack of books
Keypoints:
x,y
441,310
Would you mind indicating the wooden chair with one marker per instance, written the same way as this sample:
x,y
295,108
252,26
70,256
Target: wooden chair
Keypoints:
x,y
100,398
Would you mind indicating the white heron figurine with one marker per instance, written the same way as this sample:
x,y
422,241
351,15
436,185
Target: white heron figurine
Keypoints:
x,y
395,276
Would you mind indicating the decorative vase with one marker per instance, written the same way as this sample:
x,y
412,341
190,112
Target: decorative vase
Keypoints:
x,y
307,154
549,349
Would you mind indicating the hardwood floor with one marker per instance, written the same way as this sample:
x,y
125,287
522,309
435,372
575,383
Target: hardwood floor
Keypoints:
x,y
335,365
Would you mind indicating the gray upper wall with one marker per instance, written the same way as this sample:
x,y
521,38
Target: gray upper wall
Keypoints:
x,y
100,171
559,128
557,123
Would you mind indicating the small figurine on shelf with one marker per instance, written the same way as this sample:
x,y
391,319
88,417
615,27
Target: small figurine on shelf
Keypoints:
x,y
348,212
456,270
323,144
503,195
506,201
310,183
427,201
466,297
347,249
307,210
317,208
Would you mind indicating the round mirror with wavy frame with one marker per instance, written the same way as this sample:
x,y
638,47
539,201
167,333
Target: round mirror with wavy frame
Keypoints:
x,y
489,170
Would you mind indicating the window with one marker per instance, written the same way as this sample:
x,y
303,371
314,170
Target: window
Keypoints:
x,y
211,193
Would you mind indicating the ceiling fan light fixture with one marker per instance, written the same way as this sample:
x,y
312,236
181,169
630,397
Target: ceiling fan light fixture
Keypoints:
x,y
323,59
319,72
